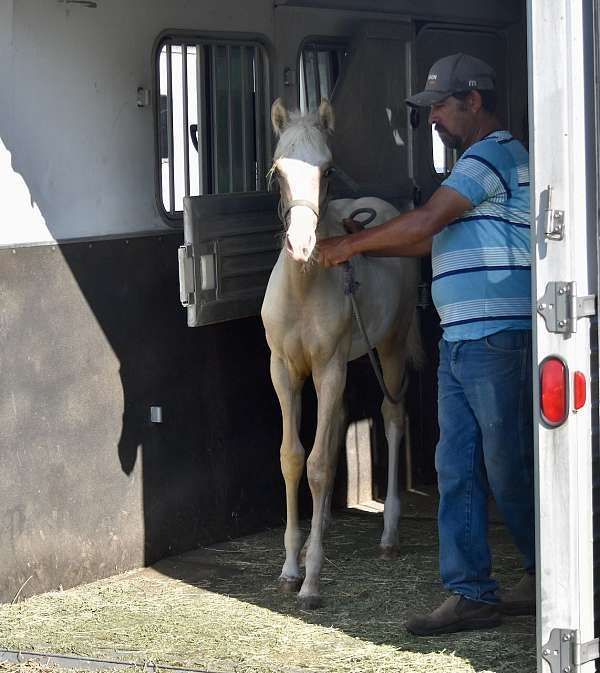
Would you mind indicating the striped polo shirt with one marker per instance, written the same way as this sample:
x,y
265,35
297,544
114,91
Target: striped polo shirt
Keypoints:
x,y
482,261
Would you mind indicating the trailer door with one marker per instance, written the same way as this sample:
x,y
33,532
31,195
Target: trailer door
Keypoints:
x,y
564,235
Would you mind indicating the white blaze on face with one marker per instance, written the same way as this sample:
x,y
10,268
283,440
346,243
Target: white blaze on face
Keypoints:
x,y
302,182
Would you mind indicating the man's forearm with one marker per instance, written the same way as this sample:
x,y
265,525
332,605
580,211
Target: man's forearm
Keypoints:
x,y
415,250
409,235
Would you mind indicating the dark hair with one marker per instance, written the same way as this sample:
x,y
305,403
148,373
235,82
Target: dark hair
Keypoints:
x,y
489,99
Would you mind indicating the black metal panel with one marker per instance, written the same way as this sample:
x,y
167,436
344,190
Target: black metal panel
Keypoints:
x,y
370,141
92,335
243,238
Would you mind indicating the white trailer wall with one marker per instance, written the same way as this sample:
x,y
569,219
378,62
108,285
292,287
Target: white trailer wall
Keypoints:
x,y
76,153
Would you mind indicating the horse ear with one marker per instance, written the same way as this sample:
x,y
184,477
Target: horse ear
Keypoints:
x,y
279,116
326,115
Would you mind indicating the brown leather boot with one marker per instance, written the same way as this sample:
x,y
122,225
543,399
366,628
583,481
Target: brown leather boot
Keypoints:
x,y
456,613
520,599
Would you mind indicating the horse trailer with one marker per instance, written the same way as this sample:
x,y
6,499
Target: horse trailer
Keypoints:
x,y
135,146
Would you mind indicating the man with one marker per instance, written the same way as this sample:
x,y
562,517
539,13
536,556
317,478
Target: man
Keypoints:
x,y
476,227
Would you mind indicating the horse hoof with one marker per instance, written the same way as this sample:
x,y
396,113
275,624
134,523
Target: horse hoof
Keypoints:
x,y
309,602
290,585
388,552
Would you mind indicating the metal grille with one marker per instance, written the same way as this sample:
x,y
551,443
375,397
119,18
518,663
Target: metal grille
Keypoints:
x,y
213,133
321,64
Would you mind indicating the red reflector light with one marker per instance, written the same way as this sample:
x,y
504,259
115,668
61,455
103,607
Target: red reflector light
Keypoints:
x,y
579,389
554,391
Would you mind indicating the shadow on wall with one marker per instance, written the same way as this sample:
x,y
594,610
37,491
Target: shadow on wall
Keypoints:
x,y
210,469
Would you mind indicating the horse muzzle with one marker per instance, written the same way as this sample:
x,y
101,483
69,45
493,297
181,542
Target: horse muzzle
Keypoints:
x,y
300,241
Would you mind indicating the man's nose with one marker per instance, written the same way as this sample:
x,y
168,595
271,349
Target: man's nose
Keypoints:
x,y
432,118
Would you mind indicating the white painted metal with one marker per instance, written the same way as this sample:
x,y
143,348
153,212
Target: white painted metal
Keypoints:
x,y
563,455
76,151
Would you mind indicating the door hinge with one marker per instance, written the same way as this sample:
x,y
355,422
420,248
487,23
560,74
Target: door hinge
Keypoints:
x,y
187,290
565,652
561,308
555,221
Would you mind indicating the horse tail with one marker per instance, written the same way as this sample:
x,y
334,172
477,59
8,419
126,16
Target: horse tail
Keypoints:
x,y
414,346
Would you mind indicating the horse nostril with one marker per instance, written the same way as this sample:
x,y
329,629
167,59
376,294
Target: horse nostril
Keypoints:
x,y
288,245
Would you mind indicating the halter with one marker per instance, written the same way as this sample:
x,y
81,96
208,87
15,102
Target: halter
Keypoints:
x,y
293,204
319,210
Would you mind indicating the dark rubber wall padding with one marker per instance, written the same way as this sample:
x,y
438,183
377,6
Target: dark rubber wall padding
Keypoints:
x,y
92,335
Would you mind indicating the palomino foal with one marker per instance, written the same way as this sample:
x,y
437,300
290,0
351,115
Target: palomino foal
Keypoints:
x,y
310,330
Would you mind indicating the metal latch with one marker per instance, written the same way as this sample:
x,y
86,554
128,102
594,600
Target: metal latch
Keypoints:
x,y
565,652
187,289
555,221
561,308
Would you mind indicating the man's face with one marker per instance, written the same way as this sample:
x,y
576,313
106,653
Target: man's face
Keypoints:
x,y
453,121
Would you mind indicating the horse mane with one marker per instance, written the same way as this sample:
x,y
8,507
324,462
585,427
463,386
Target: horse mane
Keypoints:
x,y
301,129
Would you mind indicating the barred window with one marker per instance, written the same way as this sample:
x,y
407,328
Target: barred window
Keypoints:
x,y
213,133
321,63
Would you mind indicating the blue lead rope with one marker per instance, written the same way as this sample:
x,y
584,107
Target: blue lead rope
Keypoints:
x,y
350,285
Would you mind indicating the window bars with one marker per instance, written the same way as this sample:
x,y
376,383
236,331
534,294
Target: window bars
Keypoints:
x,y
212,126
321,64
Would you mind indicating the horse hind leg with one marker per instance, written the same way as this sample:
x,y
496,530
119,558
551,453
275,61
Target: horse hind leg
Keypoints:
x,y
392,356
288,388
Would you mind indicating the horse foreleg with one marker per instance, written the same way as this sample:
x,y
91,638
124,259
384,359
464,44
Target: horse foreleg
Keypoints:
x,y
340,425
393,362
288,388
329,384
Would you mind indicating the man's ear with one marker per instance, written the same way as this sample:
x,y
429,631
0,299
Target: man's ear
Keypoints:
x,y
474,101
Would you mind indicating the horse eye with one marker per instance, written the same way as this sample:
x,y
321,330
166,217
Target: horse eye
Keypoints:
x,y
328,172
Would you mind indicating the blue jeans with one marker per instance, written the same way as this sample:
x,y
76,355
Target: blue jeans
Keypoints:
x,y
486,444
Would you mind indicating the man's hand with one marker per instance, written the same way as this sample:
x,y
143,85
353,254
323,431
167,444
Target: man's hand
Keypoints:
x,y
334,251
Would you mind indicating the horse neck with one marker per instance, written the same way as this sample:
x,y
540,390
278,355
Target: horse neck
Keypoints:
x,y
301,279
303,282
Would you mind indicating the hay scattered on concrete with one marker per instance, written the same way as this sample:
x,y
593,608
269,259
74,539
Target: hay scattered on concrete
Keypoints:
x,y
218,609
